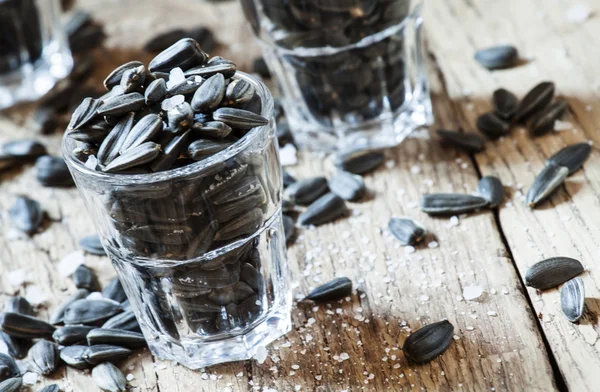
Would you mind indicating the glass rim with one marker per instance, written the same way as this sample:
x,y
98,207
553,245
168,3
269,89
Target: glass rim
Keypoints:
x,y
239,146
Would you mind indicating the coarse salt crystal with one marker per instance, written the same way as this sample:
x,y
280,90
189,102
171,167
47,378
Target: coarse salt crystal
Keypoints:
x,y
176,77
472,292
344,356
95,295
3,348
261,354
562,126
433,244
295,367
35,295
69,263
492,313
578,13
288,155
17,277
409,249
415,169
30,378
91,163
129,377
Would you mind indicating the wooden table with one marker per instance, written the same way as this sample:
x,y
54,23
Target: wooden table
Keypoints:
x,y
509,339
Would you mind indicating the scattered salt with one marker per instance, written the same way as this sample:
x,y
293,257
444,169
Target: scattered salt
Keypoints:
x,y
35,295
288,155
130,377
17,277
261,354
91,163
30,378
344,356
578,13
69,263
176,77
409,249
433,244
492,313
3,348
562,126
472,292
95,295
416,169
295,367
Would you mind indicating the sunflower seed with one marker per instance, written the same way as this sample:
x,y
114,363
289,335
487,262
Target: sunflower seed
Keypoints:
x,y
247,186
572,157
202,148
335,289
58,315
11,384
325,209
407,231
18,304
497,57
289,228
155,92
543,122
105,353
44,357
23,149
505,103
46,119
92,245
185,54
259,66
359,161
492,190
114,290
550,178
551,272
428,342
90,311
162,41
122,104
90,134
133,79
85,278
572,299
142,132
288,179
53,172
26,214
187,87
180,117
238,92
109,378
210,94
241,226
215,65
469,142
17,347
125,321
50,388
73,356
213,129
492,126
451,203
239,118
71,334
115,77
117,337
171,152
85,112
536,99
347,186
23,326
136,156
112,144
307,190
9,367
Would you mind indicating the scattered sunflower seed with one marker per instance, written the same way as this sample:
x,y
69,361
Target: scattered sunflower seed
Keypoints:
x,y
492,126
469,142
44,357
23,326
497,57
86,311
572,299
348,186
59,313
17,347
543,122
105,353
18,304
125,321
551,272
406,230
491,189
505,103
325,209
23,149
428,342
73,356
288,179
333,290
9,367
71,334
307,190
114,290
359,161
550,178
118,337
109,378
53,172
451,203
50,388
85,278
92,245
536,99
26,214
572,157
13,384
136,156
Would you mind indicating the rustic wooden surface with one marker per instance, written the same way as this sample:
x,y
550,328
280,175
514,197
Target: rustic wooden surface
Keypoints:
x,y
523,344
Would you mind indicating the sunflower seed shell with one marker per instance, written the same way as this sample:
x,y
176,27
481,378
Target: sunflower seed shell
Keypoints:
x,y
451,203
105,353
550,178
18,304
59,313
492,126
85,278
333,290
543,122
185,54
425,344
11,384
325,209
359,161
92,245
109,378
572,299
115,77
307,190
122,104
114,290
348,186
469,142
133,157
71,334
118,337
497,57
86,311
210,94
491,189
538,98
549,273
406,230
572,157
73,356
23,326
505,103
44,357
239,118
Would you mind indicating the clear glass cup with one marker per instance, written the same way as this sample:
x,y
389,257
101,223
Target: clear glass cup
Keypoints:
x,y
200,249
352,72
34,53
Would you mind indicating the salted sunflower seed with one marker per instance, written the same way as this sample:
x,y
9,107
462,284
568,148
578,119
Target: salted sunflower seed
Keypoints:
x,y
213,129
210,94
155,92
59,313
9,367
572,299
71,334
92,133
543,122
497,57
238,92
244,188
116,337
359,161
538,98
92,245
550,178
112,144
492,126
50,388
26,214
505,103
44,357
85,112
289,228
105,353
122,104
125,320
307,190
551,272
469,142
53,172
24,326
243,225
203,148
109,378
215,65
85,278
133,79
406,230
22,149
170,152
181,117
333,290
428,342
572,157
348,186
491,189
239,118
143,131
451,203
73,356
18,304
17,347
136,156
114,78
185,54
90,311
114,290
13,384
323,210
187,88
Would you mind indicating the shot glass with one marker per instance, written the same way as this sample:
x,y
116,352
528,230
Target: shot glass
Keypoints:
x,y
352,73
199,249
34,53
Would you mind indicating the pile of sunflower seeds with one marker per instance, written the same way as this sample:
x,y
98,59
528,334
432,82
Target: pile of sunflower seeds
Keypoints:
x,y
89,330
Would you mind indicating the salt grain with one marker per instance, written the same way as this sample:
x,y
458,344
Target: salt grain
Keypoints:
x,y
344,357
35,295
433,244
17,277
288,155
30,378
176,77
69,263
261,354
578,13
130,377
95,295
562,126
472,292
